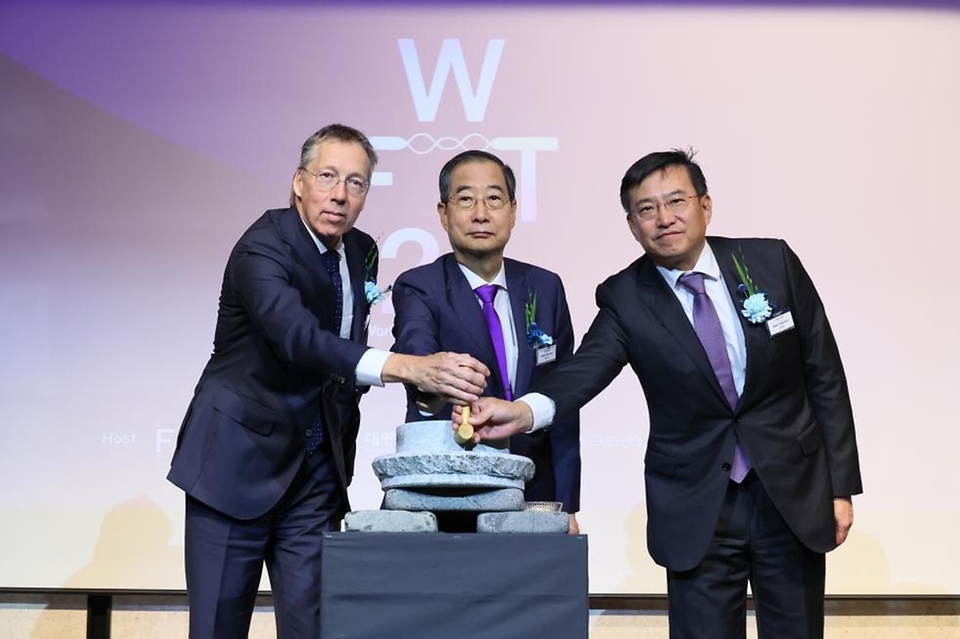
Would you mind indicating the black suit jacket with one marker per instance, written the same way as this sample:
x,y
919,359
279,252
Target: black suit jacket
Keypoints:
x,y
794,416
436,310
277,361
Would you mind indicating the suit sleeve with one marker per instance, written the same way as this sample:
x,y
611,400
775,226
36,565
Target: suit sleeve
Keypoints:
x,y
565,433
602,355
825,380
415,326
416,332
261,275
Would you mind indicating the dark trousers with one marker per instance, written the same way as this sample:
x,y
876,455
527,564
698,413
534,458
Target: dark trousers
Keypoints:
x,y
751,542
225,557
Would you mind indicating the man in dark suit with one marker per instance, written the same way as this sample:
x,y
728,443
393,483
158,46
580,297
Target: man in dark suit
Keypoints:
x,y
266,450
752,458
437,308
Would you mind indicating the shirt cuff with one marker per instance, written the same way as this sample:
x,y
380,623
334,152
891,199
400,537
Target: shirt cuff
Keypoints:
x,y
370,367
543,408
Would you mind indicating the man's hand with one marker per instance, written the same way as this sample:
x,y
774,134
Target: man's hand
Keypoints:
x,y
460,378
494,418
574,525
843,516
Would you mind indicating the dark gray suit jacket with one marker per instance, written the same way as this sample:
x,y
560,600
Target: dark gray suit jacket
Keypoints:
x,y
436,310
277,362
794,416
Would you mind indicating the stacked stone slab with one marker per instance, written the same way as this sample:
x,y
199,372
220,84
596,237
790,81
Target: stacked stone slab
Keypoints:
x,y
431,473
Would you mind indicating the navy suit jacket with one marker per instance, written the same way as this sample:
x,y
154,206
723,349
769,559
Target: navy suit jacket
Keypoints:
x,y
794,416
277,361
436,310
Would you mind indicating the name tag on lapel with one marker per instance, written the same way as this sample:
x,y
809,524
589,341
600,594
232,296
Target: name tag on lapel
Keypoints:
x,y
780,323
546,353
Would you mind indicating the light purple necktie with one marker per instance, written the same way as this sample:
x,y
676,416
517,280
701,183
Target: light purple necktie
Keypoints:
x,y
706,323
487,293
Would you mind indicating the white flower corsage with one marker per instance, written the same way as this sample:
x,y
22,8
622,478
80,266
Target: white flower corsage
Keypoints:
x,y
757,308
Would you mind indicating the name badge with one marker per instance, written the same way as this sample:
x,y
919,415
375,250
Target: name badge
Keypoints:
x,y
780,323
546,353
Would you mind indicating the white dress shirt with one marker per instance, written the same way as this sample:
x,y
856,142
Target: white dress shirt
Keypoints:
x,y
502,304
544,409
726,309
370,367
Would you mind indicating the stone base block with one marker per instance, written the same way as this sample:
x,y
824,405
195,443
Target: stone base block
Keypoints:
x,y
463,499
479,470
436,436
389,521
524,522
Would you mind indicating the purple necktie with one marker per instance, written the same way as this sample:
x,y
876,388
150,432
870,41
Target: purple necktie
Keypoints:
x,y
487,293
331,262
706,323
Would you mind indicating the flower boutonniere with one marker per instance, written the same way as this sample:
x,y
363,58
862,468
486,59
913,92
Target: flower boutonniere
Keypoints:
x,y
756,307
535,335
373,294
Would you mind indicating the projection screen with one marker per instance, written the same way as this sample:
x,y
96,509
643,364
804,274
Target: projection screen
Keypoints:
x,y
138,141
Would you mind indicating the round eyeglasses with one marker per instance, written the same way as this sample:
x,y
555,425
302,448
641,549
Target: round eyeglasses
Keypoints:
x,y
468,202
647,210
328,181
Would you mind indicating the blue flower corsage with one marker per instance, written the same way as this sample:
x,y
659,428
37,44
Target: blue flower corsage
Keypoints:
x,y
757,308
373,294
535,336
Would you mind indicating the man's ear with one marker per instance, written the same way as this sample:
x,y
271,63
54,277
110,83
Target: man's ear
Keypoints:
x,y
298,183
707,205
632,224
442,212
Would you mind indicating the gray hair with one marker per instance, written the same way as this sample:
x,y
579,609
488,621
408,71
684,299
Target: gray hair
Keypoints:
x,y
341,133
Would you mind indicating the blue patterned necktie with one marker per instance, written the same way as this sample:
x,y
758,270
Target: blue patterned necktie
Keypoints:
x,y
706,323
487,293
331,262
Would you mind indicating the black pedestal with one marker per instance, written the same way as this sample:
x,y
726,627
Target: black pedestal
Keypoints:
x,y
454,586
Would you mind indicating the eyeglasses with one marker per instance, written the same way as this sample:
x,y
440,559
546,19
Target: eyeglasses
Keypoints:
x,y
468,202
328,181
675,204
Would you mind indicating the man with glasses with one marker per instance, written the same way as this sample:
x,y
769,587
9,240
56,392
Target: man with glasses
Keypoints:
x,y
267,447
510,315
752,459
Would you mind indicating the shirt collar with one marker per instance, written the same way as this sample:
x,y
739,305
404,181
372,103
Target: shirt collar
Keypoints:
x,y
475,280
320,247
707,264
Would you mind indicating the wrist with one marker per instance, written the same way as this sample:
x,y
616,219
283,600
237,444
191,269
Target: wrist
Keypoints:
x,y
396,368
526,420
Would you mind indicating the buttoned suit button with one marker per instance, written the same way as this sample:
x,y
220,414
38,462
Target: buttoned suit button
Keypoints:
x,y
308,433
725,467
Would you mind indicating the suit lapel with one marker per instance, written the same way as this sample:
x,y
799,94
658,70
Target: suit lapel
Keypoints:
x,y
517,286
295,233
356,263
321,291
466,308
665,306
753,335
